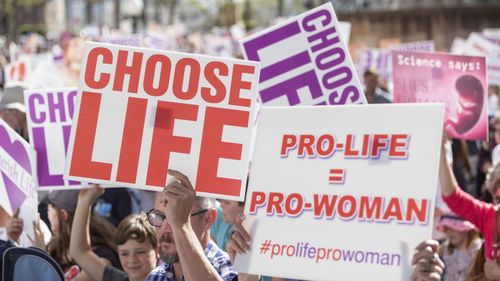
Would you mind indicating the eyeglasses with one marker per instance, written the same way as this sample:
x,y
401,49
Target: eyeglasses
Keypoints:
x,y
156,218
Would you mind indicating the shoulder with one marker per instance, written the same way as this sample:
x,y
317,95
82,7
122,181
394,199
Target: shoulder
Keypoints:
x,y
160,273
220,261
114,274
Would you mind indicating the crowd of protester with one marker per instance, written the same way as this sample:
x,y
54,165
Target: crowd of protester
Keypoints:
x,y
124,234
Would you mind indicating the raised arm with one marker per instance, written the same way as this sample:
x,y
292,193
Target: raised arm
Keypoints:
x,y
180,196
80,248
446,176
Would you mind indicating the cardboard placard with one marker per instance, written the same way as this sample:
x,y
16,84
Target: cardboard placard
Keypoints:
x,y
140,112
49,113
458,81
476,45
305,61
320,195
17,175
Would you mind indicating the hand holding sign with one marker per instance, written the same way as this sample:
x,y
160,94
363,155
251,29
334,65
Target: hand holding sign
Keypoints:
x,y
180,195
428,265
14,227
240,239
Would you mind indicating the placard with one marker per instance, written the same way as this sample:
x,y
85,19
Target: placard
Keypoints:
x,y
343,199
140,112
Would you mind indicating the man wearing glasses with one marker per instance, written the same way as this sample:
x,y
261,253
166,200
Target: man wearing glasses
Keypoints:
x,y
182,222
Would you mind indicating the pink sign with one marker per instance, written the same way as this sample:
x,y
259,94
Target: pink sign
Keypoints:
x,y
458,81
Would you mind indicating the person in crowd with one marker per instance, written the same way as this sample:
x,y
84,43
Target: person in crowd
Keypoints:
x,y
182,223
373,92
222,227
480,213
220,230
61,209
460,247
495,124
136,240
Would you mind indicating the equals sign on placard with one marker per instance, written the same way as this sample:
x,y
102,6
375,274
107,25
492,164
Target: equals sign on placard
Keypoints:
x,y
337,176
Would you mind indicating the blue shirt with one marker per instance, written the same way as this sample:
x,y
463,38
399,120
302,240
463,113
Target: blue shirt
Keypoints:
x,y
218,258
220,230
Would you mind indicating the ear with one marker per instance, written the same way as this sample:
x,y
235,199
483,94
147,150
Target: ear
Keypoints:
x,y
210,217
65,215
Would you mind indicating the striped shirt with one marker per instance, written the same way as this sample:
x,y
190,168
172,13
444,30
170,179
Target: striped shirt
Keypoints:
x,y
218,258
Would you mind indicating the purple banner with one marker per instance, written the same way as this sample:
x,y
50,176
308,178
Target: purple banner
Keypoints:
x,y
305,61
49,114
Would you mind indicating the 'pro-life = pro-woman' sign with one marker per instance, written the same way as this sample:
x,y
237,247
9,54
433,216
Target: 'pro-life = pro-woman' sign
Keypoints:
x,y
305,61
342,200
49,113
140,112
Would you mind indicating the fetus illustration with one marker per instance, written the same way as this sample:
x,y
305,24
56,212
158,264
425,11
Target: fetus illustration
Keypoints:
x,y
470,104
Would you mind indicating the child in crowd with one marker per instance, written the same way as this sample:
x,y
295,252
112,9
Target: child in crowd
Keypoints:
x,y
61,208
136,240
460,247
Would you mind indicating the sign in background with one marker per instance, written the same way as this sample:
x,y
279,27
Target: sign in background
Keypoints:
x,y
458,81
343,199
140,112
49,113
380,59
305,61
477,45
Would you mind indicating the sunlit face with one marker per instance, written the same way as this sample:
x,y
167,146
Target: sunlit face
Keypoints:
x,y
53,219
168,252
137,258
456,238
230,210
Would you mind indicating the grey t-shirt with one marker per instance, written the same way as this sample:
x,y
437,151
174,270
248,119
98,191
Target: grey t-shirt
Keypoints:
x,y
114,274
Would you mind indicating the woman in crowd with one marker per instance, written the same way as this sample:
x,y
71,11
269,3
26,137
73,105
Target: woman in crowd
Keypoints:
x,y
61,207
481,214
460,248
136,240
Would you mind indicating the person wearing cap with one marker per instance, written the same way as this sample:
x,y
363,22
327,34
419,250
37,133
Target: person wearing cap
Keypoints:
x,y
460,247
61,209
481,214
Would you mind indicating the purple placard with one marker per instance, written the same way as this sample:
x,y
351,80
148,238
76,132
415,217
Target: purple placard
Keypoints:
x,y
17,179
381,59
49,114
305,61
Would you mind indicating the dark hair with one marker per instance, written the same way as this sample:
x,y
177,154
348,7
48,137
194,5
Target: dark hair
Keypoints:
x,y
101,235
136,227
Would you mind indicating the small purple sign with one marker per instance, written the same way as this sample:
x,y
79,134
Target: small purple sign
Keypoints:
x,y
305,61
49,114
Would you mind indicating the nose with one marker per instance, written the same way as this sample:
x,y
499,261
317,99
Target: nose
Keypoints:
x,y
165,227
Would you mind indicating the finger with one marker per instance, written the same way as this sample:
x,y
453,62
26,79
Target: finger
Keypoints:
x,y
177,188
426,254
428,243
240,241
16,213
243,232
234,246
182,178
17,223
36,222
